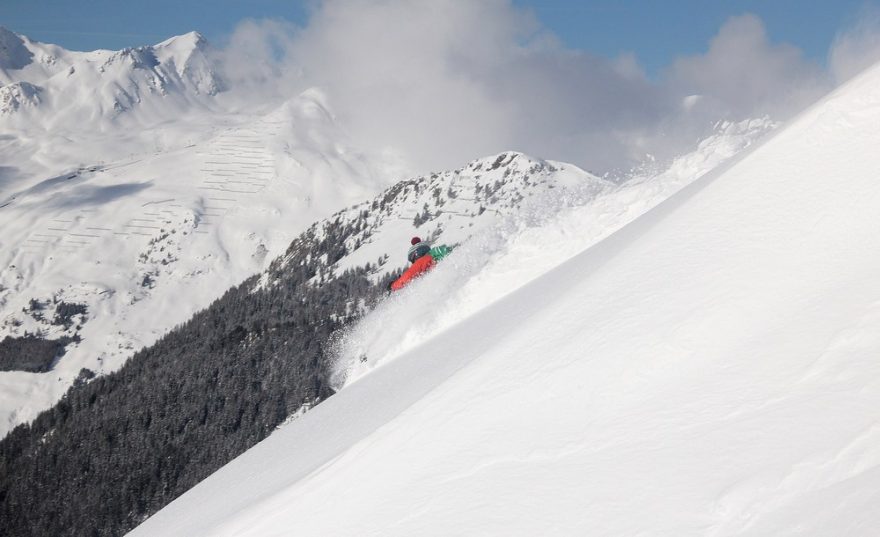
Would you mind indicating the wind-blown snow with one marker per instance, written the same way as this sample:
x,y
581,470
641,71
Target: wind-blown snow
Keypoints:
x,y
709,369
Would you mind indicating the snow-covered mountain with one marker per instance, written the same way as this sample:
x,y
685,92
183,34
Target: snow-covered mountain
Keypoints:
x,y
223,379
52,86
132,196
62,109
264,352
135,248
708,369
139,244
129,199
113,234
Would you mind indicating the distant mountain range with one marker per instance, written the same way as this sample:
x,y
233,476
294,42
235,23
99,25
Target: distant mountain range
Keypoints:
x,y
42,82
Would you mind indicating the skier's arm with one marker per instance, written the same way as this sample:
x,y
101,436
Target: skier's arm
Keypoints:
x,y
439,252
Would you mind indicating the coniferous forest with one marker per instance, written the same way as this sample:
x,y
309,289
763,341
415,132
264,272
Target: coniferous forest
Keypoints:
x,y
117,449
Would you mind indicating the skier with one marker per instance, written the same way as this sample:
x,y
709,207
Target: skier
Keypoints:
x,y
423,258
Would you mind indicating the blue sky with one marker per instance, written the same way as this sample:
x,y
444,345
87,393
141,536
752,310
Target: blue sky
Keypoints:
x,y
658,31
655,31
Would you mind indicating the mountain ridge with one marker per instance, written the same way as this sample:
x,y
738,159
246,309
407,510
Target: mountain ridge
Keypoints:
x,y
116,81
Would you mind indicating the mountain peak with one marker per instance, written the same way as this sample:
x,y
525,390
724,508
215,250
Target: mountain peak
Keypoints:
x,y
13,52
17,95
508,161
189,41
190,56
4,31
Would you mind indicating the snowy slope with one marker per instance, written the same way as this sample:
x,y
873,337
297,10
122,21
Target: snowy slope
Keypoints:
x,y
710,369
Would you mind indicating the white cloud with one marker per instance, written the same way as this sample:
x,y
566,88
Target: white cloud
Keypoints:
x,y
857,48
747,74
446,81
453,80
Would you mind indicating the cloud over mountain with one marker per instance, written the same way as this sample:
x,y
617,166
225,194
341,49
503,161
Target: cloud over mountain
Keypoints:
x,y
444,81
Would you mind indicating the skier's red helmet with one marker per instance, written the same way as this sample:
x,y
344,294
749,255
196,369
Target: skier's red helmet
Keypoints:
x,y
415,240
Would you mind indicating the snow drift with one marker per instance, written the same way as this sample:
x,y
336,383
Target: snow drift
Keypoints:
x,y
710,369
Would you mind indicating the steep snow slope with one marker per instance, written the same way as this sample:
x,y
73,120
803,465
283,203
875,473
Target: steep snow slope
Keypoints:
x,y
710,369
